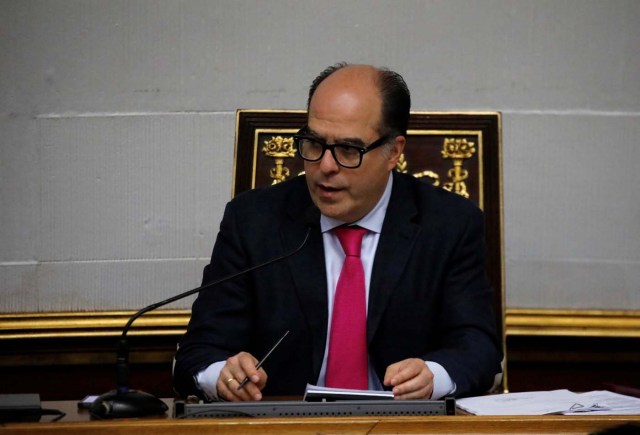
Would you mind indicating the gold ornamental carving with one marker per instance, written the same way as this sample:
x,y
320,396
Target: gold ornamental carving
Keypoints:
x,y
279,148
435,178
403,166
458,150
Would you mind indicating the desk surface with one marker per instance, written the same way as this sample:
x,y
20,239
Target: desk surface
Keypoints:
x,y
78,422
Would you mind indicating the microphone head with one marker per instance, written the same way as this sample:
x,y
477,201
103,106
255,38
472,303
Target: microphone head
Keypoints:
x,y
312,217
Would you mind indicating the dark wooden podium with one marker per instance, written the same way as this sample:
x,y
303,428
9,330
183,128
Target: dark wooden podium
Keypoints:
x,y
78,422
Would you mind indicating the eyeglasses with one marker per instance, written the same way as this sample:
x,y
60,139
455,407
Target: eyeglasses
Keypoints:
x,y
347,155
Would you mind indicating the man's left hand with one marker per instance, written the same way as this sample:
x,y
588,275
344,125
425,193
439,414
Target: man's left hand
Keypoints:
x,y
410,379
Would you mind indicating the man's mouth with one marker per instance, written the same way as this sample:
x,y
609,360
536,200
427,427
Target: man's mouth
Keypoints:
x,y
328,192
328,188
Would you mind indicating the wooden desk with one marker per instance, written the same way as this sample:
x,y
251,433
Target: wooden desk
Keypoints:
x,y
78,422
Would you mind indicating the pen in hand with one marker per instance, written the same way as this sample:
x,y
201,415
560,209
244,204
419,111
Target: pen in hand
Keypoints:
x,y
246,379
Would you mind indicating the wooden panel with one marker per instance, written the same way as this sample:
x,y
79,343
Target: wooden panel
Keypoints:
x,y
70,368
67,360
576,363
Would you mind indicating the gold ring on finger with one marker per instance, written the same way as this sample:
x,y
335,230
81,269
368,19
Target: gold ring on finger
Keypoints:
x,y
230,379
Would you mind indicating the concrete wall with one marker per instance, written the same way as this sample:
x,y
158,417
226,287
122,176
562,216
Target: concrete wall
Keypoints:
x,y
117,131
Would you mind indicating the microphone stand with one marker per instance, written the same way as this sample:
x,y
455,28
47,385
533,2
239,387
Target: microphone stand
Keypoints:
x,y
124,402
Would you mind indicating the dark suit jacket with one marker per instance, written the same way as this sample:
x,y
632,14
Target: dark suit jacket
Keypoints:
x,y
429,297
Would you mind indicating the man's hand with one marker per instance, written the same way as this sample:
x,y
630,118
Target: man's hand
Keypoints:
x,y
410,379
233,373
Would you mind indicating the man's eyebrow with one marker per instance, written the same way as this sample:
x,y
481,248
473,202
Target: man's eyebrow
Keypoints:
x,y
349,140
313,133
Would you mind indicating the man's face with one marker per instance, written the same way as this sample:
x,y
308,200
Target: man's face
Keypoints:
x,y
346,107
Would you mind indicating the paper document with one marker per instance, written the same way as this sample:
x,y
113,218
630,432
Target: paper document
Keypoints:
x,y
316,393
551,402
616,403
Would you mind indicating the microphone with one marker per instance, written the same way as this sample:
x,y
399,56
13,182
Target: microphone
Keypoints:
x,y
124,402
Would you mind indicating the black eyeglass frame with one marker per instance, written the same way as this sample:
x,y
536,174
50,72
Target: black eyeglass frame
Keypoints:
x,y
303,134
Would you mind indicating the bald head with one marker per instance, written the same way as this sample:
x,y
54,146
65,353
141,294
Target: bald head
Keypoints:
x,y
387,87
349,95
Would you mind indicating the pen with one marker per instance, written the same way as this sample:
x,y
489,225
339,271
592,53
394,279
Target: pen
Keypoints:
x,y
246,379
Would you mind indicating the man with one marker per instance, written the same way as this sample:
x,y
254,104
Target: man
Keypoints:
x,y
429,330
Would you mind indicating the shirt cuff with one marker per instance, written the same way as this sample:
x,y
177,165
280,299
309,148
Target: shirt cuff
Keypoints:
x,y
443,385
207,379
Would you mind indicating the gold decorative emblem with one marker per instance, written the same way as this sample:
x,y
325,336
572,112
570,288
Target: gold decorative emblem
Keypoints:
x,y
458,150
279,148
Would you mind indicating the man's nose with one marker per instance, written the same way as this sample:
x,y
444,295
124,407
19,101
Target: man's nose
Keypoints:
x,y
328,164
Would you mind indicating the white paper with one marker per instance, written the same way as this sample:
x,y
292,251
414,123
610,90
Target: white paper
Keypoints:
x,y
551,402
343,393
610,403
529,403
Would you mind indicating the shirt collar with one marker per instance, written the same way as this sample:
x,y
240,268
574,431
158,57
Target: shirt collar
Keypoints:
x,y
372,221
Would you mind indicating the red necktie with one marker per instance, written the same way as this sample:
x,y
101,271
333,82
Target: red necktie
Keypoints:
x,y
347,361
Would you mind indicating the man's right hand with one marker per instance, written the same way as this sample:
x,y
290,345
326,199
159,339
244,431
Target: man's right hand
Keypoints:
x,y
233,373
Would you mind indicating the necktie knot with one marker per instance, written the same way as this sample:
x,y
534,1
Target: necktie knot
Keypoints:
x,y
351,239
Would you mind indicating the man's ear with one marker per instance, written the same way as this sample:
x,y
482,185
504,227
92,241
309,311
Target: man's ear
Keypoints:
x,y
396,151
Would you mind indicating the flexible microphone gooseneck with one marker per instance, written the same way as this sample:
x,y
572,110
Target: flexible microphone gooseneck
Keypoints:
x,y
124,402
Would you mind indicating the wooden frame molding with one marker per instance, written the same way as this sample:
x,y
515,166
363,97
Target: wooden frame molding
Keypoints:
x,y
519,321
575,323
91,324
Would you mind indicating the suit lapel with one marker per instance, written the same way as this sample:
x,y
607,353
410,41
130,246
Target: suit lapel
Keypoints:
x,y
308,272
394,250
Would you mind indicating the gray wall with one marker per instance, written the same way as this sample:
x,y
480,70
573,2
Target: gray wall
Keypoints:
x,y
117,131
